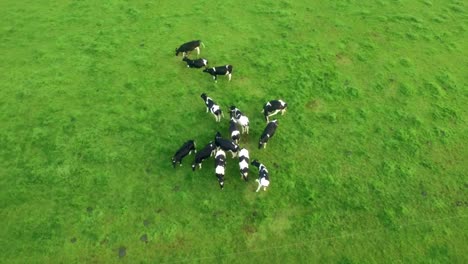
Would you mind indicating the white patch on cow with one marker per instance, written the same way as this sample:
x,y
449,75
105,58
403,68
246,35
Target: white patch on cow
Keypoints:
x,y
205,62
244,153
220,170
262,167
264,182
220,153
243,164
235,133
214,108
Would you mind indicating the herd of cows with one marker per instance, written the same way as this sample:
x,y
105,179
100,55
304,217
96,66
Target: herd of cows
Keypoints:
x,y
219,146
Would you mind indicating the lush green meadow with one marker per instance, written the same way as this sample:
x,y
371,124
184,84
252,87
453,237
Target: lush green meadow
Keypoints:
x,y
369,164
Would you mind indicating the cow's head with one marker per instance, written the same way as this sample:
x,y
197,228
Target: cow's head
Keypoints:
x,y
203,96
263,141
245,175
255,163
220,180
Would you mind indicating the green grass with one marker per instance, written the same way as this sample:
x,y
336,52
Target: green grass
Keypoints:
x,y
368,165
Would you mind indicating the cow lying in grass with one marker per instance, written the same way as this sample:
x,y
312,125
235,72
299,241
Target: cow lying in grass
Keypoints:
x,y
220,70
240,118
183,151
273,107
198,63
212,107
208,151
268,132
263,178
189,46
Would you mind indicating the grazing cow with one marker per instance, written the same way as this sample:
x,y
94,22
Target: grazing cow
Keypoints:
x,y
240,118
273,107
268,132
189,46
220,70
183,151
198,63
235,134
244,163
220,165
212,107
206,152
263,178
226,144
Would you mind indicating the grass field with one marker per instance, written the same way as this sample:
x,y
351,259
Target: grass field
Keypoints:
x,y
368,165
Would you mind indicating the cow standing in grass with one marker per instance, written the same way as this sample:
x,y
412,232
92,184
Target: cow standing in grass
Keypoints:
x,y
189,46
240,118
183,151
268,132
212,107
235,134
244,163
220,166
263,177
273,107
208,151
220,70
226,144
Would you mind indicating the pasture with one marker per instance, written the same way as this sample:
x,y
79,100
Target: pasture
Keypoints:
x,y
368,165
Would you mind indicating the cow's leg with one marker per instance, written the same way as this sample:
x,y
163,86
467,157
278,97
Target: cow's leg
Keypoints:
x,y
199,165
264,145
198,50
207,109
259,185
229,77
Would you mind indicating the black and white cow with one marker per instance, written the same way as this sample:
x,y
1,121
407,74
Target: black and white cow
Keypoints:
x,y
220,70
212,107
268,132
220,165
189,46
208,151
226,144
198,63
183,151
244,163
235,134
273,107
263,177
240,118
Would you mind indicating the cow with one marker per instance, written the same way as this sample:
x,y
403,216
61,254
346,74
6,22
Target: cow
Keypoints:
x,y
220,70
189,46
240,118
244,163
226,144
263,178
235,134
273,107
212,107
198,63
268,132
220,165
206,152
183,151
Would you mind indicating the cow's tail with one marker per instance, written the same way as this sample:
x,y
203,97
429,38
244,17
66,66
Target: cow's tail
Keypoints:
x,y
203,44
